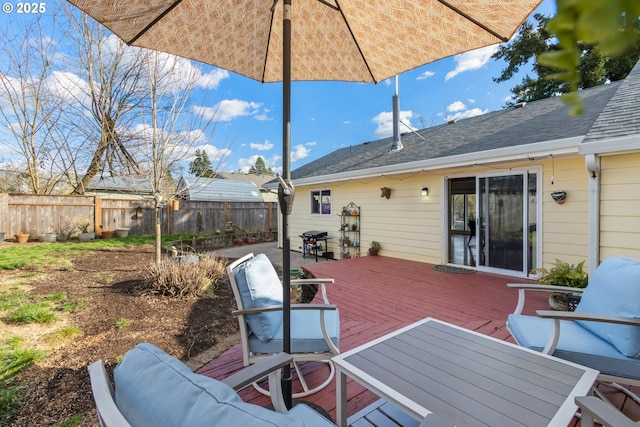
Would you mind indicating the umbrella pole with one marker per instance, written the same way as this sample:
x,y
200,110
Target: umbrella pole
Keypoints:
x,y
286,172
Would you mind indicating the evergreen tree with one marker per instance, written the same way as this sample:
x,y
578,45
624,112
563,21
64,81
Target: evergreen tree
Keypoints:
x,y
534,39
201,165
260,168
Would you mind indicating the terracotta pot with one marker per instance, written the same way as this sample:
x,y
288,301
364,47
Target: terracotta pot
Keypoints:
x,y
107,234
22,238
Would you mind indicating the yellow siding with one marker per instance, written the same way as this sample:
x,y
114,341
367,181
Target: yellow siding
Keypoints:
x,y
409,226
620,206
565,226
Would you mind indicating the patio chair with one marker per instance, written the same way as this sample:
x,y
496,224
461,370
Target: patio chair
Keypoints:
x,y
594,409
154,389
602,333
315,328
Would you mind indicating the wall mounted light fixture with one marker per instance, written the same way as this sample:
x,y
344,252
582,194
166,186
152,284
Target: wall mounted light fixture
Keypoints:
x,y
424,191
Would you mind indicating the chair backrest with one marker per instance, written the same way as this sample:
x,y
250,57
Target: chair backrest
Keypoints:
x,y
154,388
256,284
614,289
108,413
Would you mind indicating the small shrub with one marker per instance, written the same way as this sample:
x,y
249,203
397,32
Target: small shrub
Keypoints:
x,y
564,274
122,322
185,278
32,313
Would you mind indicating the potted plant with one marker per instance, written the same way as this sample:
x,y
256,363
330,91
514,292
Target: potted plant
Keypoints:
x,y
374,248
22,237
564,274
84,225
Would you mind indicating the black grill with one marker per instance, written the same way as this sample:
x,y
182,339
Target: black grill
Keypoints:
x,y
311,243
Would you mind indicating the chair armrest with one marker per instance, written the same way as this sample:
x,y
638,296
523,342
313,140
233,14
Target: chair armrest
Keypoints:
x,y
321,307
311,281
258,370
572,315
315,281
522,287
314,307
545,288
593,408
556,316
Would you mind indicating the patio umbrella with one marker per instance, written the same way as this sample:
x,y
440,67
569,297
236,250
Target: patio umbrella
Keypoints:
x,y
273,40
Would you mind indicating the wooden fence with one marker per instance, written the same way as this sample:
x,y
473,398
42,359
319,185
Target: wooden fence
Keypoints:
x,y
35,214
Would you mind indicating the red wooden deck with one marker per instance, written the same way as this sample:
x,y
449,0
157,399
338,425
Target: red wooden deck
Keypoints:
x,y
376,295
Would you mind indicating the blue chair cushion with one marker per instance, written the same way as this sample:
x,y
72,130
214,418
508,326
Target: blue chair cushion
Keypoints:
x,y
576,344
259,286
306,333
155,389
614,290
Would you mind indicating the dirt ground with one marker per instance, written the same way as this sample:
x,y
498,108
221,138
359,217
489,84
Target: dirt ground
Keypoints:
x,y
194,330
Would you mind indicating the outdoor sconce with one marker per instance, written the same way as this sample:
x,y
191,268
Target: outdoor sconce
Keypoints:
x,y
424,191
385,192
138,212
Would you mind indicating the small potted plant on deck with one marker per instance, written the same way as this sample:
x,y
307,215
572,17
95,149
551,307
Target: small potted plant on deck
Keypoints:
x,y
564,274
374,248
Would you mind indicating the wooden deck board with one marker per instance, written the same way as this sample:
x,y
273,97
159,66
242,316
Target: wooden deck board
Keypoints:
x,y
377,295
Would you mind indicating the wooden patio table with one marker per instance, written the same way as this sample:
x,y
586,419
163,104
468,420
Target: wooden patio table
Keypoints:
x,y
463,377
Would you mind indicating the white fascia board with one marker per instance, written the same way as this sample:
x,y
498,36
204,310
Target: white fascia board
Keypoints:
x,y
565,146
611,145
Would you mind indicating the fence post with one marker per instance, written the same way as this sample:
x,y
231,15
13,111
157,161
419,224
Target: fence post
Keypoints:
x,y
97,216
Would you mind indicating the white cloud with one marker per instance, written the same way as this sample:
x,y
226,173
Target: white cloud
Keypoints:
x,y
299,152
384,122
215,154
228,109
465,114
456,106
473,60
426,75
212,79
265,146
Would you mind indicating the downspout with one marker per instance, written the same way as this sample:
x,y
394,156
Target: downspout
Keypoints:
x,y
592,163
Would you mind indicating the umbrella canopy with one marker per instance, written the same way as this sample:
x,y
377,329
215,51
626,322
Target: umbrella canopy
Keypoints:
x,y
349,40
275,40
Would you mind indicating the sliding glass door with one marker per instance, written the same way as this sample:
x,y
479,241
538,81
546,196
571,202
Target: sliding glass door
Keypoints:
x,y
507,217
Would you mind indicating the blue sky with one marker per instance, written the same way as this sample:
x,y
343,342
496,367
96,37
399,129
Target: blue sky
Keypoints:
x,y
329,115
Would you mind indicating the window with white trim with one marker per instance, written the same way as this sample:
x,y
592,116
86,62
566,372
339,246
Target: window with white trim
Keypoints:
x,y
321,202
